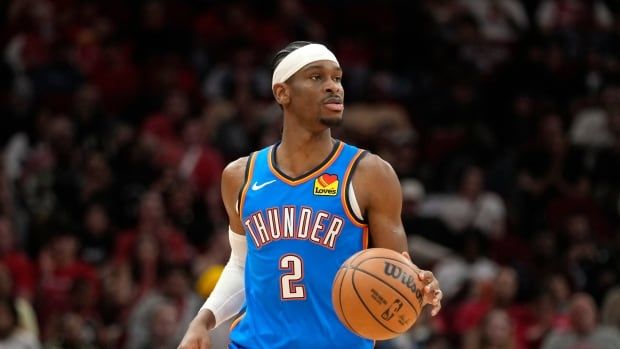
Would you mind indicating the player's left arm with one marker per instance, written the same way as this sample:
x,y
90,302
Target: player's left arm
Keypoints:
x,y
379,196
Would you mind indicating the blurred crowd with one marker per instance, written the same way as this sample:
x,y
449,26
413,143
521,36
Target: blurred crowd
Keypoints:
x,y
500,117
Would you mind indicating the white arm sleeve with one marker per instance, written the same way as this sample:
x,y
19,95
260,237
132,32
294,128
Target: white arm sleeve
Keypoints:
x,y
228,296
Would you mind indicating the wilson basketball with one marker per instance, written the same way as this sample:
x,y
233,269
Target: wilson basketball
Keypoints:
x,y
377,294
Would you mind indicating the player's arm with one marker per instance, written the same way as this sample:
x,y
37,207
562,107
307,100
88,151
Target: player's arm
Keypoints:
x,y
228,296
379,196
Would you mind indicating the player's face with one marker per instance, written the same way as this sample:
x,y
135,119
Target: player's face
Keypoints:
x,y
317,93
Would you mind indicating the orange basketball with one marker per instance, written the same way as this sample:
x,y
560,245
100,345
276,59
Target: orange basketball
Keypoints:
x,y
377,294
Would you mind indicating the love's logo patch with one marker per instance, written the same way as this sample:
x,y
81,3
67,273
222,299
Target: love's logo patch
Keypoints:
x,y
326,185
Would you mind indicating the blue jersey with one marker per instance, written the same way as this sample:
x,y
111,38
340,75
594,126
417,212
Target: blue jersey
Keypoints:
x,y
299,231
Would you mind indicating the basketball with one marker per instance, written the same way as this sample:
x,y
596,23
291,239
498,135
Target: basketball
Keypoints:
x,y
377,294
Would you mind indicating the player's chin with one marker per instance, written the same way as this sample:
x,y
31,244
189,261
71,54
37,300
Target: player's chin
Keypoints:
x,y
331,120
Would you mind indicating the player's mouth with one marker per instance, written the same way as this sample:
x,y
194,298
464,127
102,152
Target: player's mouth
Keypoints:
x,y
334,103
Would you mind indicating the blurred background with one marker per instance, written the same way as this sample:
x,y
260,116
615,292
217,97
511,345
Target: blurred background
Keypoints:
x,y
501,118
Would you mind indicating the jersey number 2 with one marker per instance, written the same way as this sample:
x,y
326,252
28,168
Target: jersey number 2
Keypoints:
x,y
290,288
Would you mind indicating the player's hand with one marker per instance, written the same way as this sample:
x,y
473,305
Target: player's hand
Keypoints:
x,y
197,335
432,292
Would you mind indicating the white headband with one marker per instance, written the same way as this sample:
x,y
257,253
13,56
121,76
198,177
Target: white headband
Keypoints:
x,y
297,59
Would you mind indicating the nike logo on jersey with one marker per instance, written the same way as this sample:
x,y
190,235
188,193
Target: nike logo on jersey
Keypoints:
x,y
257,186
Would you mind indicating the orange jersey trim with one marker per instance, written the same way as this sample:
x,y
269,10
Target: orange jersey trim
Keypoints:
x,y
236,322
365,238
330,160
246,186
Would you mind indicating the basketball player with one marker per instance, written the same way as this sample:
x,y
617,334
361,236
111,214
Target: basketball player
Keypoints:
x,y
297,210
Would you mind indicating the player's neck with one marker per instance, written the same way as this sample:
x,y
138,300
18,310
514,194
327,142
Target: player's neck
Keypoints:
x,y
300,152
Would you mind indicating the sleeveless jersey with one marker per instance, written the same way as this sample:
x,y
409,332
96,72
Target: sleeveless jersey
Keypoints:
x,y
299,231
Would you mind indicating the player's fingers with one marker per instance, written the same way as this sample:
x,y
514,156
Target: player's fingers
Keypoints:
x,y
438,297
432,293
429,294
436,309
426,276
434,299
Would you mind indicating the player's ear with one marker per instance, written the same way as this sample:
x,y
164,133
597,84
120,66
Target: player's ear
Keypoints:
x,y
281,93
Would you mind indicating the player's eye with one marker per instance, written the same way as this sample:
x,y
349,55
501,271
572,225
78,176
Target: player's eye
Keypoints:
x,y
338,79
315,77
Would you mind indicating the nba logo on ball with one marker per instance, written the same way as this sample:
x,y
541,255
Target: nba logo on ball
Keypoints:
x,y
393,309
376,294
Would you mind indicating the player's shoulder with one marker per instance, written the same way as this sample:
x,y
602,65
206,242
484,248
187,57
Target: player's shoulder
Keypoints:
x,y
371,164
375,167
372,173
235,170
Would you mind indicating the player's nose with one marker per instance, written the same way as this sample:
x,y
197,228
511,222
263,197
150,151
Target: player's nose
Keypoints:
x,y
333,87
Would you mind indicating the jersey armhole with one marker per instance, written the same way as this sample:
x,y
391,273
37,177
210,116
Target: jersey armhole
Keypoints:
x,y
355,207
249,167
351,205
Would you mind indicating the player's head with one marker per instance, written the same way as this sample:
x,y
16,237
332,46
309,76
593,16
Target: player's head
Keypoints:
x,y
306,82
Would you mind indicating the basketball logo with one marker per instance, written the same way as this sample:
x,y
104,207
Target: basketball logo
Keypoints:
x,y
388,314
326,185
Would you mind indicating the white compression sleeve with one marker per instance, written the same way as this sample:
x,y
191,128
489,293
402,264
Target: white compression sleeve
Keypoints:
x,y
228,296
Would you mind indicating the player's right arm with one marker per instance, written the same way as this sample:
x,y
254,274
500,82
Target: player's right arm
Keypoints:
x,y
228,295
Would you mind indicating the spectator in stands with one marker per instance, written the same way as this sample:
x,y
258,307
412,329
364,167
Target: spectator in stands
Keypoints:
x,y
429,238
162,327
146,260
558,15
471,206
199,163
610,311
496,331
174,287
98,180
152,221
190,212
586,330
163,127
560,292
70,332
467,267
16,260
96,236
500,21
500,294
539,167
59,269
118,296
26,314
